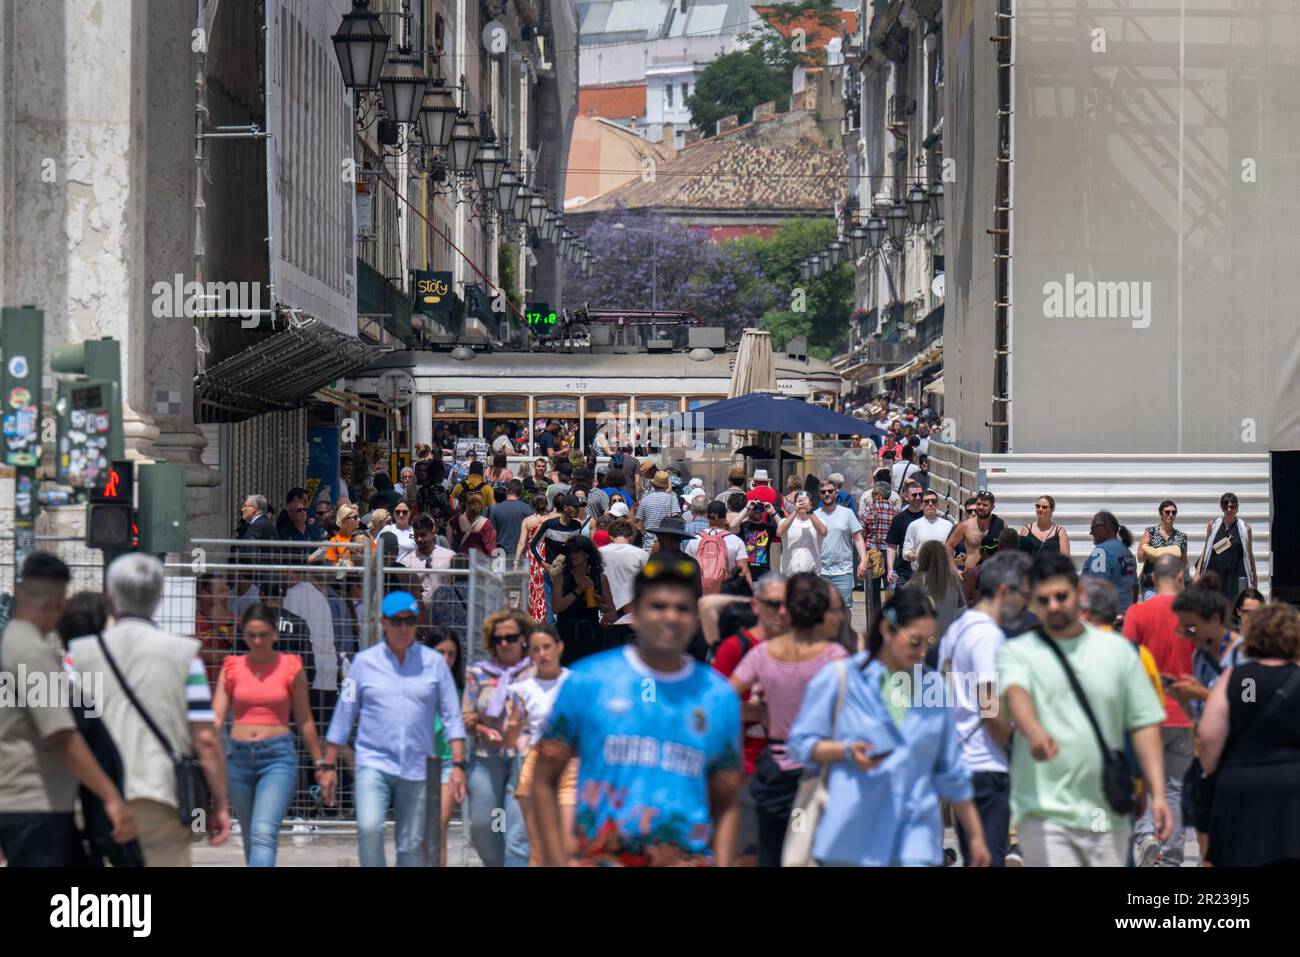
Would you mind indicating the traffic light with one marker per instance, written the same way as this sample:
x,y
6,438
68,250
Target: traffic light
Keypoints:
x,y
110,516
162,508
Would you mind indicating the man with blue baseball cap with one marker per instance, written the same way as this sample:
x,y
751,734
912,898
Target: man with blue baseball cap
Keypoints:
x,y
395,688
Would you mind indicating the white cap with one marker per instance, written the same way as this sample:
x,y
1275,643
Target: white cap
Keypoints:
x,y
760,475
697,482
619,509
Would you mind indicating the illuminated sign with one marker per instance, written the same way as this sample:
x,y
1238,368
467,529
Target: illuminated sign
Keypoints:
x,y
540,314
432,292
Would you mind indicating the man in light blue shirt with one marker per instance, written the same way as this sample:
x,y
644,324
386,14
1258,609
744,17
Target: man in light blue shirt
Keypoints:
x,y
1112,560
397,688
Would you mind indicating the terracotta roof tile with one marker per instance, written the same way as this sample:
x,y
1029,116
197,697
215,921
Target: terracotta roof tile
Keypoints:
x,y
782,164
612,102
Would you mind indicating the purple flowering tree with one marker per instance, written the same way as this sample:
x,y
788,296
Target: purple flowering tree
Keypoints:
x,y
652,260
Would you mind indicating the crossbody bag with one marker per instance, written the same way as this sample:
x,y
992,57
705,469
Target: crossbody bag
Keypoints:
x,y
193,798
1116,780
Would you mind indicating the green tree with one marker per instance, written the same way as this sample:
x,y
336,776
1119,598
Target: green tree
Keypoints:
x,y
736,83
781,51
507,280
819,308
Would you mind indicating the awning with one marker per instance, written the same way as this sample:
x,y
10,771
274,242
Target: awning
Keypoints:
x,y
917,362
935,387
280,372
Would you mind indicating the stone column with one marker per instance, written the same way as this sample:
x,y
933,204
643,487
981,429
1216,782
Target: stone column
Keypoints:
x,y
169,346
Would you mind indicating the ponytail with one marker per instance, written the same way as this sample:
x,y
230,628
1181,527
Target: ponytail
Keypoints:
x,y
1125,536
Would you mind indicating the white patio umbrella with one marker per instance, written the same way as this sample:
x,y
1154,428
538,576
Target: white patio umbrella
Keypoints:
x,y
755,371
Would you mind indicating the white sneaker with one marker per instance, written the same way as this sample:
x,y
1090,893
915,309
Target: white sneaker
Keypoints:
x,y
1013,858
1146,851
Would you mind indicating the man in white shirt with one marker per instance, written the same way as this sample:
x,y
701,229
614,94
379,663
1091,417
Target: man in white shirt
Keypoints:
x,y
304,599
426,555
968,658
930,527
622,560
905,468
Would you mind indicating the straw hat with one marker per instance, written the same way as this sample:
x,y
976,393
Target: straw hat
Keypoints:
x,y
661,481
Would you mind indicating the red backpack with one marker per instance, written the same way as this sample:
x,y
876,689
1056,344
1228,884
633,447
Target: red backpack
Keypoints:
x,y
711,554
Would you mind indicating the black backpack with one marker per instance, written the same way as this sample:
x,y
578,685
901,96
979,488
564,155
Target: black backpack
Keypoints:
x,y
436,502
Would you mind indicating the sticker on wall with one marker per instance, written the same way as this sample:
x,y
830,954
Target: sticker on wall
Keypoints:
x,y
19,397
18,367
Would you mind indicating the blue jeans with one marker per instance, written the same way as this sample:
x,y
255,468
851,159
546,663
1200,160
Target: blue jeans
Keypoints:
x,y
261,777
376,790
496,823
844,585
1178,758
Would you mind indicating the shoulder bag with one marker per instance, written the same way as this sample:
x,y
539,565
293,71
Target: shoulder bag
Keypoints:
x,y
1116,780
810,799
193,799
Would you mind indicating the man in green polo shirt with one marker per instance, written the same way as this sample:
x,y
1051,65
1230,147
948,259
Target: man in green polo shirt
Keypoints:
x,y
1057,804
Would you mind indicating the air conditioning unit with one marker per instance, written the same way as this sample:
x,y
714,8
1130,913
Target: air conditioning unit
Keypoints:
x,y
909,334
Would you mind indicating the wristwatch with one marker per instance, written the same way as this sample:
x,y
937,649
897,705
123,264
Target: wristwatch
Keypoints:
x,y
462,765
323,765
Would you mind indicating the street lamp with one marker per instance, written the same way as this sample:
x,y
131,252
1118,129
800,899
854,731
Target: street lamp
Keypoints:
x,y
403,82
858,238
876,230
918,205
537,211
489,163
936,201
464,145
522,202
896,220
549,225
654,261
360,45
437,116
506,191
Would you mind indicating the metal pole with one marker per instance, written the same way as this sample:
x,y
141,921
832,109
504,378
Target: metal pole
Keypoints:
x,y
432,848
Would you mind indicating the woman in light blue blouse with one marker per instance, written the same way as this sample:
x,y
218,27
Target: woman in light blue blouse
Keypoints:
x,y
893,753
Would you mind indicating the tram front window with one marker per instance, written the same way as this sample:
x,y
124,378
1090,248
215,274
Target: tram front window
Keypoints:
x,y
563,412
454,417
606,423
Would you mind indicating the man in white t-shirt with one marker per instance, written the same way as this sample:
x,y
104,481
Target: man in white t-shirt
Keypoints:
x,y
968,658
930,527
905,468
621,560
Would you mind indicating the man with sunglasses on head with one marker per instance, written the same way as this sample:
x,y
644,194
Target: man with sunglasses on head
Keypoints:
x,y
657,736
1061,812
978,533
898,570
392,694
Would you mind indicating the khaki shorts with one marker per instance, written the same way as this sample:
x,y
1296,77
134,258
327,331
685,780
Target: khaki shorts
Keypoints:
x,y
567,792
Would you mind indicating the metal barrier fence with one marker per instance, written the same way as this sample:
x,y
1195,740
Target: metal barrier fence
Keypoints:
x,y
327,598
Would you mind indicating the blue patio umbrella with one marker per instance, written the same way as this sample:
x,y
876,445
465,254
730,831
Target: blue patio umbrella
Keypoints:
x,y
769,412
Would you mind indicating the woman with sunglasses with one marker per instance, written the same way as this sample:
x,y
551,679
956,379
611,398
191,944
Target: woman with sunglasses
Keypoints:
x,y
263,687
1043,534
401,530
1229,550
783,666
1157,540
893,755
492,724
1248,601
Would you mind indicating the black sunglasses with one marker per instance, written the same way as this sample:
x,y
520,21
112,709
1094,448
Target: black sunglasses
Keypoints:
x,y
513,638
772,603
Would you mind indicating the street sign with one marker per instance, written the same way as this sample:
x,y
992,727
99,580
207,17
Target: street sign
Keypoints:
x,y
433,293
396,388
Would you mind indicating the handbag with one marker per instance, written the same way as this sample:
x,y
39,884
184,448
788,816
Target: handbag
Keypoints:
x,y
193,798
1116,779
811,797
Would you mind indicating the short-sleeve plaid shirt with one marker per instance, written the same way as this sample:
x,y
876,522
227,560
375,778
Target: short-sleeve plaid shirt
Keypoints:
x,y
875,522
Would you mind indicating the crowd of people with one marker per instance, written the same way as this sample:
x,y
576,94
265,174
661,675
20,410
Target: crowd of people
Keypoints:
x,y
682,684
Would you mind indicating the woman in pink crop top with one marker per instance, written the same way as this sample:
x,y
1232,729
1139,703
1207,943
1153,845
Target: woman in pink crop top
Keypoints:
x,y
261,688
